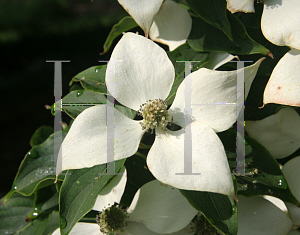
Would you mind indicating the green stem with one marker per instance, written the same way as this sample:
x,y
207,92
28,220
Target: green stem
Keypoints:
x,y
144,146
141,155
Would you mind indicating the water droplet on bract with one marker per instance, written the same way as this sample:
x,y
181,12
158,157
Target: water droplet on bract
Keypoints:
x,y
79,93
280,182
35,209
35,214
63,222
33,153
96,70
15,188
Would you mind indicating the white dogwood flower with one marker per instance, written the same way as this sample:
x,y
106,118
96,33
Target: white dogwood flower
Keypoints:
x,y
172,25
165,22
140,76
241,5
280,22
284,84
155,209
278,133
142,11
257,215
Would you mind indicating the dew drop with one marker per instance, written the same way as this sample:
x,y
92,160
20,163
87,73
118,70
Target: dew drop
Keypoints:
x,y
63,222
96,70
15,188
33,154
280,182
35,214
79,93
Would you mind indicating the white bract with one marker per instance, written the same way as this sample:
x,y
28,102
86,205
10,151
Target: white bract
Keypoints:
x,y
155,209
280,24
280,21
140,76
259,216
142,11
172,25
292,174
278,133
166,22
284,84
240,5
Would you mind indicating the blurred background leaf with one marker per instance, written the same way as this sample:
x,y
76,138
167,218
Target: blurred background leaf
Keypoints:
x,y
32,32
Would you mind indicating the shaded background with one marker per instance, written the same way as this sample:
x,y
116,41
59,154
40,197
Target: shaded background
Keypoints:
x,y
32,32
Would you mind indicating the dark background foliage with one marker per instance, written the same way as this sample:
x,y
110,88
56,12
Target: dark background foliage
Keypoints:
x,y
32,32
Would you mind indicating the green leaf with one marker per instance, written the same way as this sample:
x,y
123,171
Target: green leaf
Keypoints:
x,y
180,54
77,101
124,25
79,192
40,135
204,37
15,220
92,79
36,226
76,86
219,209
45,201
53,223
37,170
266,178
13,213
213,12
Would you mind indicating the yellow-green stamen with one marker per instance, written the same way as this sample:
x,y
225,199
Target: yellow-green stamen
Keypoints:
x,y
155,114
